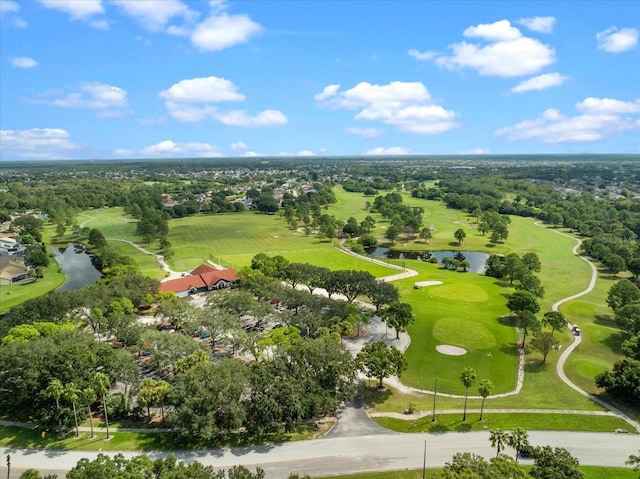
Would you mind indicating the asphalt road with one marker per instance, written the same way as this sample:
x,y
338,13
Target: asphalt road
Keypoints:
x,y
333,455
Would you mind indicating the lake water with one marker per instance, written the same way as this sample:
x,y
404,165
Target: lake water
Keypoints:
x,y
477,260
78,266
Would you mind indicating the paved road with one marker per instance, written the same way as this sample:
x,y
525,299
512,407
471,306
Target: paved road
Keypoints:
x,y
382,452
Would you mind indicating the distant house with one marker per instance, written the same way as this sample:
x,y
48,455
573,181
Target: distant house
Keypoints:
x,y
12,270
203,278
10,246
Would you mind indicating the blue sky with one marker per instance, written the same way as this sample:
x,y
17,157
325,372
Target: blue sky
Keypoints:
x,y
170,78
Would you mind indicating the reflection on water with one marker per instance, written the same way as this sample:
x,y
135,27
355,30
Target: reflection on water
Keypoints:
x,y
78,265
476,259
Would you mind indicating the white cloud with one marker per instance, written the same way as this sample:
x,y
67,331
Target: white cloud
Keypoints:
x,y
251,154
394,150
364,132
202,90
601,117
7,6
109,100
171,148
24,62
475,151
36,143
494,32
608,106
538,24
194,100
408,106
154,15
501,51
306,153
422,56
221,31
76,9
540,82
328,92
613,40
239,145
241,118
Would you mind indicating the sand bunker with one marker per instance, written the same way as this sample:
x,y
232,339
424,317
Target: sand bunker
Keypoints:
x,y
450,350
420,284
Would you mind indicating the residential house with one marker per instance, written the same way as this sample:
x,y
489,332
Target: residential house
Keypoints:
x,y
12,270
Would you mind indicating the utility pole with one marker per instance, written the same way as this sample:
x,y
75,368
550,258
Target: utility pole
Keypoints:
x,y
8,465
424,460
435,393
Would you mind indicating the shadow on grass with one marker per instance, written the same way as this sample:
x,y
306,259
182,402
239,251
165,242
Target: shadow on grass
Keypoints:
x,y
373,395
614,342
606,321
506,320
512,349
535,366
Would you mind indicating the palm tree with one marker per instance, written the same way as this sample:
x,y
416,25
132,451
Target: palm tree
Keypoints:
x,y
102,384
162,389
72,394
518,439
55,390
87,398
468,379
498,440
484,389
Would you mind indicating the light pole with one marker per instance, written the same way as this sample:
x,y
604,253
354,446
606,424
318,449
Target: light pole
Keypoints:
x,y
8,465
435,393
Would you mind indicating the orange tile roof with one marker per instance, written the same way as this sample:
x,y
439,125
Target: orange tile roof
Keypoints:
x,y
182,284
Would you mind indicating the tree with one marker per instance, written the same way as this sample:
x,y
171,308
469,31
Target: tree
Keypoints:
x,y
499,440
544,342
554,319
391,233
56,390
381,293
36,256
555,219
102,385
87,398
532,262
628,317
554,463
531,283
72,394
460,235
514,268
528,323
634,461
398,316
520,301
622,293
485,387
380,361
615,263
623,381
468,379
518,439
425,234
208,400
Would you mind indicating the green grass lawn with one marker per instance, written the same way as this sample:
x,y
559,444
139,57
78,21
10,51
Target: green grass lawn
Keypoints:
x,y
506,421
15,294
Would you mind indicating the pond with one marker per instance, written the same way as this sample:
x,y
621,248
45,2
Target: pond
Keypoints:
x,y
476,259
78,265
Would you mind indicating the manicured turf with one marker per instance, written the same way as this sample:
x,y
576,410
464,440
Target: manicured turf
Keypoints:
x,y
15,294
463,312
506,421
